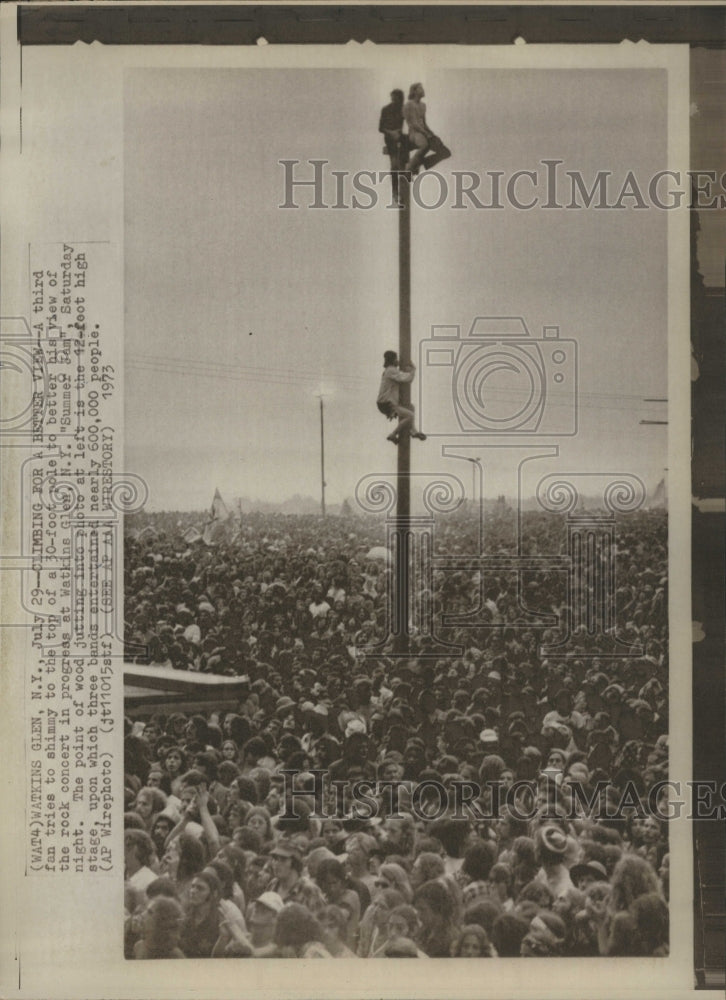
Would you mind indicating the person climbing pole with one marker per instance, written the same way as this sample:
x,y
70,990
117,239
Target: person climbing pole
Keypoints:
x,y
391,125
427,149
388,397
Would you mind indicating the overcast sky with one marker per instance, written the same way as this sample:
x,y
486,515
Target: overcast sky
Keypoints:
x,y
239,312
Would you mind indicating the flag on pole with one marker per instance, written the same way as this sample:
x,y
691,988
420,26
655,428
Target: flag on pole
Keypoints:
x,y
219,510
660,495
214,528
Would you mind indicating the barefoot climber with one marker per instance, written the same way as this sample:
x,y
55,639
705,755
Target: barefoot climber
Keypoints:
x,y
427,149
388,394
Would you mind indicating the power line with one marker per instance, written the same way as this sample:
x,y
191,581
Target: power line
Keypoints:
x,y
262,378
197,365
171,365
272,376
269,373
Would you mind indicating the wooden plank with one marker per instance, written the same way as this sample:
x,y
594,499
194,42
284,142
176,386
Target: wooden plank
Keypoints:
x,y
168,679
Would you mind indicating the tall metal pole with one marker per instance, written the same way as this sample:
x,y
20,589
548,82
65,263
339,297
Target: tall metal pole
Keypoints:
x,y
473,478
322,459
403,502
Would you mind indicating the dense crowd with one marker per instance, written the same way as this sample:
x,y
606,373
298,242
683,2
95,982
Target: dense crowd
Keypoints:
x,y
244,835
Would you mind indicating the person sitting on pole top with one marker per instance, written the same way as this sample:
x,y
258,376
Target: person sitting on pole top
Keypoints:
x,y
428,149
391,125
388,394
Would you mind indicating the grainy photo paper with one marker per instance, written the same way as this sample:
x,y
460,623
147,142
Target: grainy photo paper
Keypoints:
x,y
345,496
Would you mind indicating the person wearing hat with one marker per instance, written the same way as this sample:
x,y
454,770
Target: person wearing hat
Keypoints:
x,y
258,940
490,740
288,880
550,851
587,872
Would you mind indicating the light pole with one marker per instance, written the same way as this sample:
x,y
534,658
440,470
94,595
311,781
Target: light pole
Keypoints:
x,y
322,455
476,462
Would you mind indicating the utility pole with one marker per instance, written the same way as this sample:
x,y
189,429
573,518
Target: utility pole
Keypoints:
x,y
322,457
403,475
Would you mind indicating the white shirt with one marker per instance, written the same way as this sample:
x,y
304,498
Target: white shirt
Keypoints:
x,y
316,610
392,376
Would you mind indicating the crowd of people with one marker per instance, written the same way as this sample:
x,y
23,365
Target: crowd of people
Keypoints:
x,y
234,844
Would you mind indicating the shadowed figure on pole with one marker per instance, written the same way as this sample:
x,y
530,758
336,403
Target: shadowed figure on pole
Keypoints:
x,y
391,125
388,397
427,148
